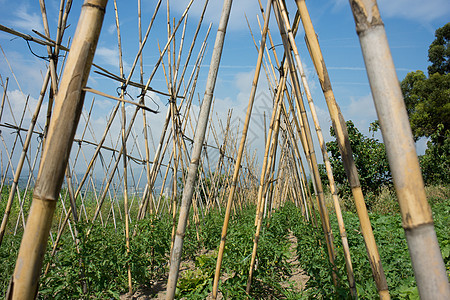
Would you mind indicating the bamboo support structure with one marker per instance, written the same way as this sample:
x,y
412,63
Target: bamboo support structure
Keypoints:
x,y
5,89
270,145
196,152
239,155
203,164
329,172
343,141
308,144
124,153
417,220
69,102
22,157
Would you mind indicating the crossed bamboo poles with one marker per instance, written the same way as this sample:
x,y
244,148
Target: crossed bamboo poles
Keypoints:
x,y
125,133
270,190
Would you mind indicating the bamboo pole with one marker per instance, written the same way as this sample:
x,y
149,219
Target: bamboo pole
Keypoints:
x,y
124,153
52,66
5,88
196,152
272,140
310,153
417,220
144,118
303,180
24,281
329,174
100,144
28,186
155,168
346,152
239,155
12,192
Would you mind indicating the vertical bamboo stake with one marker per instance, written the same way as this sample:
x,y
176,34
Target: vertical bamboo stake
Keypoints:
x,y
274,128
12,192
329,173
308,145
124,152
346,152
5,88
141,77
239,155
417,220
62,129
196,152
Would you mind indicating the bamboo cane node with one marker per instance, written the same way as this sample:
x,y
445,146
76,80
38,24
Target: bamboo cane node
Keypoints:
x,y
101,8
365,17
181,234
409,226
49,202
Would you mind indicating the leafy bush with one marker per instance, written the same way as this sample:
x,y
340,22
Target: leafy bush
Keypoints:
x,y
370,160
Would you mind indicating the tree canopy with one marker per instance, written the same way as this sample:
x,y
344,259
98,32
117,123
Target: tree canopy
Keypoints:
x,y
428,99
439,51
427,102
370,159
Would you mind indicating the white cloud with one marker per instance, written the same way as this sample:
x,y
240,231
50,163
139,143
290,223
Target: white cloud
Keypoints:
x,y
110,57
111,29
25,20
417,10
214,11
361,111
107,56
15,106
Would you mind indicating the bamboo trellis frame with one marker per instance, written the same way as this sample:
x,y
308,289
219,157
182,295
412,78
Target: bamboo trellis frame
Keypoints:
x,y
283,174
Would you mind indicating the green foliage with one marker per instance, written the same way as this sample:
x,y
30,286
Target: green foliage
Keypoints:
x,y
272,267
101,264
102,259
439,51
428,102
197,283
392,246
428,105
435,163
370,159
8,254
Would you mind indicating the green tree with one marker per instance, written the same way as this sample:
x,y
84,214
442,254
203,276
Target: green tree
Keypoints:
x,y
370,159
428,105
435,163
428,99
427,102
439,51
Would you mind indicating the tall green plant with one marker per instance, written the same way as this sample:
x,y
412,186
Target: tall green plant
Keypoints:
x,y
370,159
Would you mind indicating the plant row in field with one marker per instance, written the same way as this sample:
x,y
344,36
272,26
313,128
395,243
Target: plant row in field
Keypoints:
x,y
98,268
392,246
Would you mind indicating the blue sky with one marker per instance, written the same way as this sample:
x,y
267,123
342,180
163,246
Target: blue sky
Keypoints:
x,y
410,26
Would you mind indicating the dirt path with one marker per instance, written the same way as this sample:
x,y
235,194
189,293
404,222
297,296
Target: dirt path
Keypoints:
x,y
298,277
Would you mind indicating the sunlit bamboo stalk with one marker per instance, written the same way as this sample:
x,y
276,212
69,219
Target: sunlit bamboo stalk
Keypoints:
x,y
24,281
343,141
124,151
12,192
239,156
308,145
417,220
270,144
329,174
196,152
